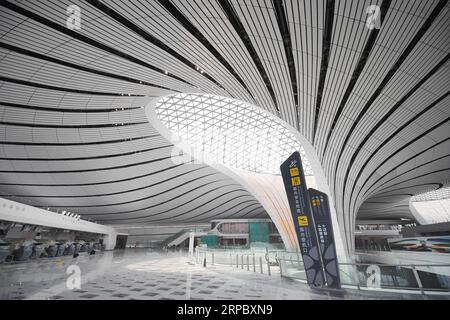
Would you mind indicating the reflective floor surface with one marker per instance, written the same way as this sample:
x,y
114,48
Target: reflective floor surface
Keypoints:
x,y
143,274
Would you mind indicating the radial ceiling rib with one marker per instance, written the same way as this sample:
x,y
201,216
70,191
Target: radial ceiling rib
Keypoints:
x,y
233,17
404,126
33,54
326,47
89,170
207,211
178,204
154,195
65,110
67,144
192,219
37,125
287,44
128,190
44,86
148,37
258,207
154,172
355,76
184,21
357,72
389,113
78,36
412,170
108,156
389,75
418,177
396,66
409,159
255,203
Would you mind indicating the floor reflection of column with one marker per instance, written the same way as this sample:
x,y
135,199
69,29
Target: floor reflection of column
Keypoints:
x,y
188,284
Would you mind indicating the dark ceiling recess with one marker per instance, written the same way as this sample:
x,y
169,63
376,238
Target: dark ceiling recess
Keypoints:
x,y
138,30
118,192
326,45
184,21
404,126
44,86
385,118
357,72
109,156
31,15
175,199
67,144
396,66
78,67
240,29
65,110
166,169
288,50
408,159
385,81
355,76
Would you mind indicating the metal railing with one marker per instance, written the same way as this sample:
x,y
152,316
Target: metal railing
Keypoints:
x,y
256,259
400,278
410,278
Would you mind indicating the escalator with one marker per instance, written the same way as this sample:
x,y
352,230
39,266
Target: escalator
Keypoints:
x,y
181,236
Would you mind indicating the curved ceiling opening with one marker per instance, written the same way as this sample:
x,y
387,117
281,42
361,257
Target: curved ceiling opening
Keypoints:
x,y
433,206
230,132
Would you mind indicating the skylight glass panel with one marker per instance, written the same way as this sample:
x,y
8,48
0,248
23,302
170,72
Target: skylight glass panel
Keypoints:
x,y
230,132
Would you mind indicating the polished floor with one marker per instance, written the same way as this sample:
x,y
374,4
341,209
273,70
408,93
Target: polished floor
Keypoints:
x,y
143,274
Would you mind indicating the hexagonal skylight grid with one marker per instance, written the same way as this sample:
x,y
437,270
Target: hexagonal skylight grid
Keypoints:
x,y
230,132
442,193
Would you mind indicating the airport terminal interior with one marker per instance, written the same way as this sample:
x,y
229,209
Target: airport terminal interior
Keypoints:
x,y
224,150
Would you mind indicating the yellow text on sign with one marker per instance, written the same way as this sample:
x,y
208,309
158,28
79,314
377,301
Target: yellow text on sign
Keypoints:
x,y
294,172
302,221
296,181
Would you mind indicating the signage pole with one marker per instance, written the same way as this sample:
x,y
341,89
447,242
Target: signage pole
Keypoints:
x,y
324,229
299,203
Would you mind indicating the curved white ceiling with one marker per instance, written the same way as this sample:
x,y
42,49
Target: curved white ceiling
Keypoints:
x,y
373,102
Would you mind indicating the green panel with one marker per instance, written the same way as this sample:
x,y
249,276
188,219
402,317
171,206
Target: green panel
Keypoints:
x,y
210,240
259,232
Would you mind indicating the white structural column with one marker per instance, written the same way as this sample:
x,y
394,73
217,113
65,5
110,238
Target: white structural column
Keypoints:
x,y
270,192
322,185
18,212
267,189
